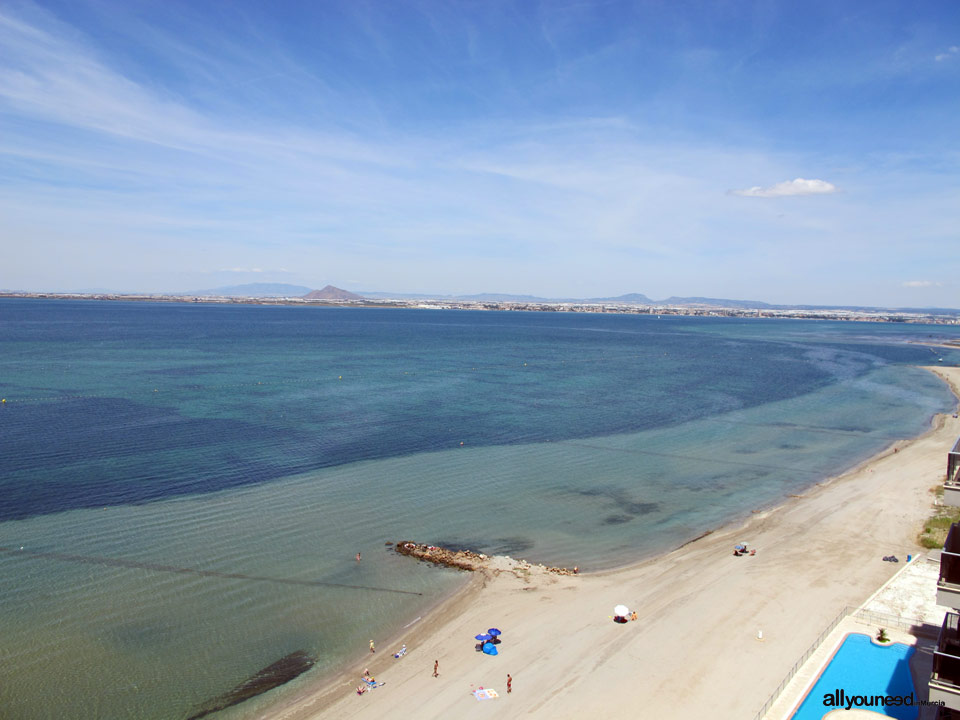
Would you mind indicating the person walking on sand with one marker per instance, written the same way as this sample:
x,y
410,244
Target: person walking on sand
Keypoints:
x,y
436,668
509,684
372,649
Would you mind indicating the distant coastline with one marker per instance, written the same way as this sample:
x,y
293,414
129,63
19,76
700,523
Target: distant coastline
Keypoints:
x,y
931,317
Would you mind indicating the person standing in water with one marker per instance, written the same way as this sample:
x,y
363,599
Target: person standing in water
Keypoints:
x,y
358,557
372,648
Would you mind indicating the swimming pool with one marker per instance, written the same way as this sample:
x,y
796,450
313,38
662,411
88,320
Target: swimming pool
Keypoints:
x,y
862,668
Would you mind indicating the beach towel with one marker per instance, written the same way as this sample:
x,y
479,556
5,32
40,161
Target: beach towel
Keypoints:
x,y
485,694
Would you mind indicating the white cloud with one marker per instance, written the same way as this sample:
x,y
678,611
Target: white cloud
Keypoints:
x,y
952,51
921,283
789,187
140,177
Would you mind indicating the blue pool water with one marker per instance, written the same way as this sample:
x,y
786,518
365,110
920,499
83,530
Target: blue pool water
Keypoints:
x,y
860,667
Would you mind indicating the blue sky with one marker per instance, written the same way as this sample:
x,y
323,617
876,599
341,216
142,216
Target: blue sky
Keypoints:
x,y
781,151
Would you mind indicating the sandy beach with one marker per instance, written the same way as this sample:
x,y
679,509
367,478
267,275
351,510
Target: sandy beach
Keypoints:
x,y
694,651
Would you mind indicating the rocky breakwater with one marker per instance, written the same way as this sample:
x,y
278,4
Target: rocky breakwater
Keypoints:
x,y
471,561
460,559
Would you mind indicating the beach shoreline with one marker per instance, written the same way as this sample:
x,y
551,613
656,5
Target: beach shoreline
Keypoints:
x,y
511,598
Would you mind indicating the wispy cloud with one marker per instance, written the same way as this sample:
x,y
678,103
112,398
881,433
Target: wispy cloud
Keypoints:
x,y
800,186
921,284
952,52
234,150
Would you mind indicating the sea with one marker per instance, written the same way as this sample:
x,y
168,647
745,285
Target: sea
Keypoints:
x,y
184,488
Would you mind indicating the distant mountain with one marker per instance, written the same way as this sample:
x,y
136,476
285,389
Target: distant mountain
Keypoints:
x,y
284,290
715,302
281,290
331,293
629,298
252,290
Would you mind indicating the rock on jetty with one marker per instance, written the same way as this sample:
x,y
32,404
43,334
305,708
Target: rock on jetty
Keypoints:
x,y
460,559
469,560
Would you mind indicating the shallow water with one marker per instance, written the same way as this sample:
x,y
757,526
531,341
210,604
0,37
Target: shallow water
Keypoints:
x,y
151,450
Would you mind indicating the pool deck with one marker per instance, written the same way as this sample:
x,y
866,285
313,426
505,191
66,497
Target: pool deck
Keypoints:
x,y
910,596
912,592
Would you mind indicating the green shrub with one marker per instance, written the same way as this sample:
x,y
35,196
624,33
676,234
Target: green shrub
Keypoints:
x,y
937,526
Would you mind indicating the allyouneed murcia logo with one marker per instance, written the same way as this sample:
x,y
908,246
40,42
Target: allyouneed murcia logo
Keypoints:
x,y
840,699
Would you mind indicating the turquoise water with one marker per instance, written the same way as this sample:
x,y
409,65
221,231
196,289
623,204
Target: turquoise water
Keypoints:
x,y
860,667
152,450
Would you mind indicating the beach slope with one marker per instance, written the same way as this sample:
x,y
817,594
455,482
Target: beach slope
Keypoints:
x,y
694,650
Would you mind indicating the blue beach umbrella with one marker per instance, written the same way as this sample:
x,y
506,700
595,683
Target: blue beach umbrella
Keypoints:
x,y
490,649
493,631
484,637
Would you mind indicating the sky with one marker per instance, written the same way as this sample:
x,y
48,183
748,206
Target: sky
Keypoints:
x,y
789,152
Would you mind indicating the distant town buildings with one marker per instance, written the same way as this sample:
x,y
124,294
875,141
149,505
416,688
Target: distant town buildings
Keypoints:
x,y
945,317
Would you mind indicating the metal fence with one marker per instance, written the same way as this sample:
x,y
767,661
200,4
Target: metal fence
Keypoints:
x,y
914,625
799,663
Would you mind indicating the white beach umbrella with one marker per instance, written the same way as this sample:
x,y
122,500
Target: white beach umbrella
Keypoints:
x,y
621,611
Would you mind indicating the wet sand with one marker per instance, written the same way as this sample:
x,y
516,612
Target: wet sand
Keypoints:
x,y
694,650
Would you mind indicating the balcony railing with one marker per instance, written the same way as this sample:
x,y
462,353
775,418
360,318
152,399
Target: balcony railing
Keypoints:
x,y
950,558
953,464
945,674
